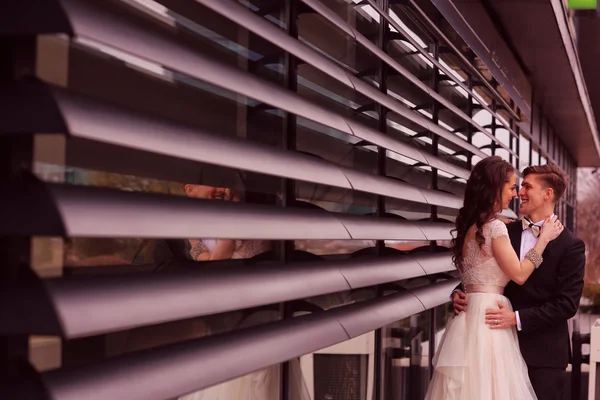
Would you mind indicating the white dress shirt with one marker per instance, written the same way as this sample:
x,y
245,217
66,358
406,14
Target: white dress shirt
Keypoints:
x,y
528,240
210,244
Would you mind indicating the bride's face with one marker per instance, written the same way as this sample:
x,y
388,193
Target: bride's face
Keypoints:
x,y
509,190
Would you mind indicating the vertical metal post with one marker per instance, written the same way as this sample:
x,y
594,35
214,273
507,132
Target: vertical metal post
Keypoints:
x,y
530,155
470,115
554,146
541,147
288,195
518,151
382,113
576,362
514,146
574,194
291,83
577,341
518,130
435,110
511,125
549,142
559,162
494,125
563,203
16,155
382,38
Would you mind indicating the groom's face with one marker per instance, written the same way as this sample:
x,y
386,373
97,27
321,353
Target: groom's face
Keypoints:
x,y
532,194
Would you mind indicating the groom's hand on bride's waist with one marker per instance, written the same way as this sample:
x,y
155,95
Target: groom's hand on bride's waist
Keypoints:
x,y
500,318
459,301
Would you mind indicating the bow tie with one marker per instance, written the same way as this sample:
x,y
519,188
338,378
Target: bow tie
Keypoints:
x,y
528,224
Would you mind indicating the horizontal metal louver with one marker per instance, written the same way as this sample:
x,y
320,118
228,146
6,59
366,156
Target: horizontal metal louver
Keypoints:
x,y
133,34
86,305
254,23
468,66
86,118
172,370
344,153
333,18
448,73
64,210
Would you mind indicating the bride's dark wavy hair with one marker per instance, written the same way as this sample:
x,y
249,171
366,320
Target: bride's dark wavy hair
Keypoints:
x,y
483,193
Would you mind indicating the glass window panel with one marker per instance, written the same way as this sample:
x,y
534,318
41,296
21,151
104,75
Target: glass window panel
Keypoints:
x,y
483,117
503,153
99,252
476,159
341,371
480,140
406,357
262,384
524,146
340,375
535,158
503,136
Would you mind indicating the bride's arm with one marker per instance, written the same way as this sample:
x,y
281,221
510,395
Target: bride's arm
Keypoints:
x,y
223,250
508,260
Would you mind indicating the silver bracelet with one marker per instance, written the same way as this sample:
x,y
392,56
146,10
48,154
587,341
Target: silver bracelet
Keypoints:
x,y
197,249
535,258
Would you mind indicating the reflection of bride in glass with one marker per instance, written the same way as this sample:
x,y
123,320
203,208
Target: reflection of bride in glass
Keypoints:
x,y
208,249
258,385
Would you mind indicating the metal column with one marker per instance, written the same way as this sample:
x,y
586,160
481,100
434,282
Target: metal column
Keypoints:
x,y
16,159
290,64
435,110
382,37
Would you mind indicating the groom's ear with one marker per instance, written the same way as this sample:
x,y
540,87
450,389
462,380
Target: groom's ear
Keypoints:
x,y
549,194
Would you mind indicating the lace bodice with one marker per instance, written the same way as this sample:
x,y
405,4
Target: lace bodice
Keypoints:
x,y
479,265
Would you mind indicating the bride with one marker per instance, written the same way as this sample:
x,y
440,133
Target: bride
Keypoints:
x,y
475,362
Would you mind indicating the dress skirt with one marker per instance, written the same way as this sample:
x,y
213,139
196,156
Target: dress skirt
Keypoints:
x,y
475,362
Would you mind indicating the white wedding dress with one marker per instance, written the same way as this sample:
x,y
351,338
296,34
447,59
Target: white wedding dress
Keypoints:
x,y
474,362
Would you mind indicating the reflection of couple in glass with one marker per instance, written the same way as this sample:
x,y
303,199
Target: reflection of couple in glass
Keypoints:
x,y
522,281
209,249
260,384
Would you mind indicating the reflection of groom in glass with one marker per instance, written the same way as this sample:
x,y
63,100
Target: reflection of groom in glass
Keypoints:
x,y
207,249
550,297
165,252
210,249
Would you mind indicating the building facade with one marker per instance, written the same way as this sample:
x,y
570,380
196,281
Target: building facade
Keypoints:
x,y
250,199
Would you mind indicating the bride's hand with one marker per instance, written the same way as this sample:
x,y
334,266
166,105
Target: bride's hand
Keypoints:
x,y
551,229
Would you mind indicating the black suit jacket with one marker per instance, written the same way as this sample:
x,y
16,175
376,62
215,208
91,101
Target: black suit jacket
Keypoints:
x,y
548,299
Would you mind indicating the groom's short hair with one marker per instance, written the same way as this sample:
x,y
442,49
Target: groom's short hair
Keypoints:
x,y
551,176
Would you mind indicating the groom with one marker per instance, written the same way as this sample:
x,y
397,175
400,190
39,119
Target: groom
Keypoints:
x,y
550,297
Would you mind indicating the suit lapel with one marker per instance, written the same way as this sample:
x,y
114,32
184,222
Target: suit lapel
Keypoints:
x,y
515,231
555,246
